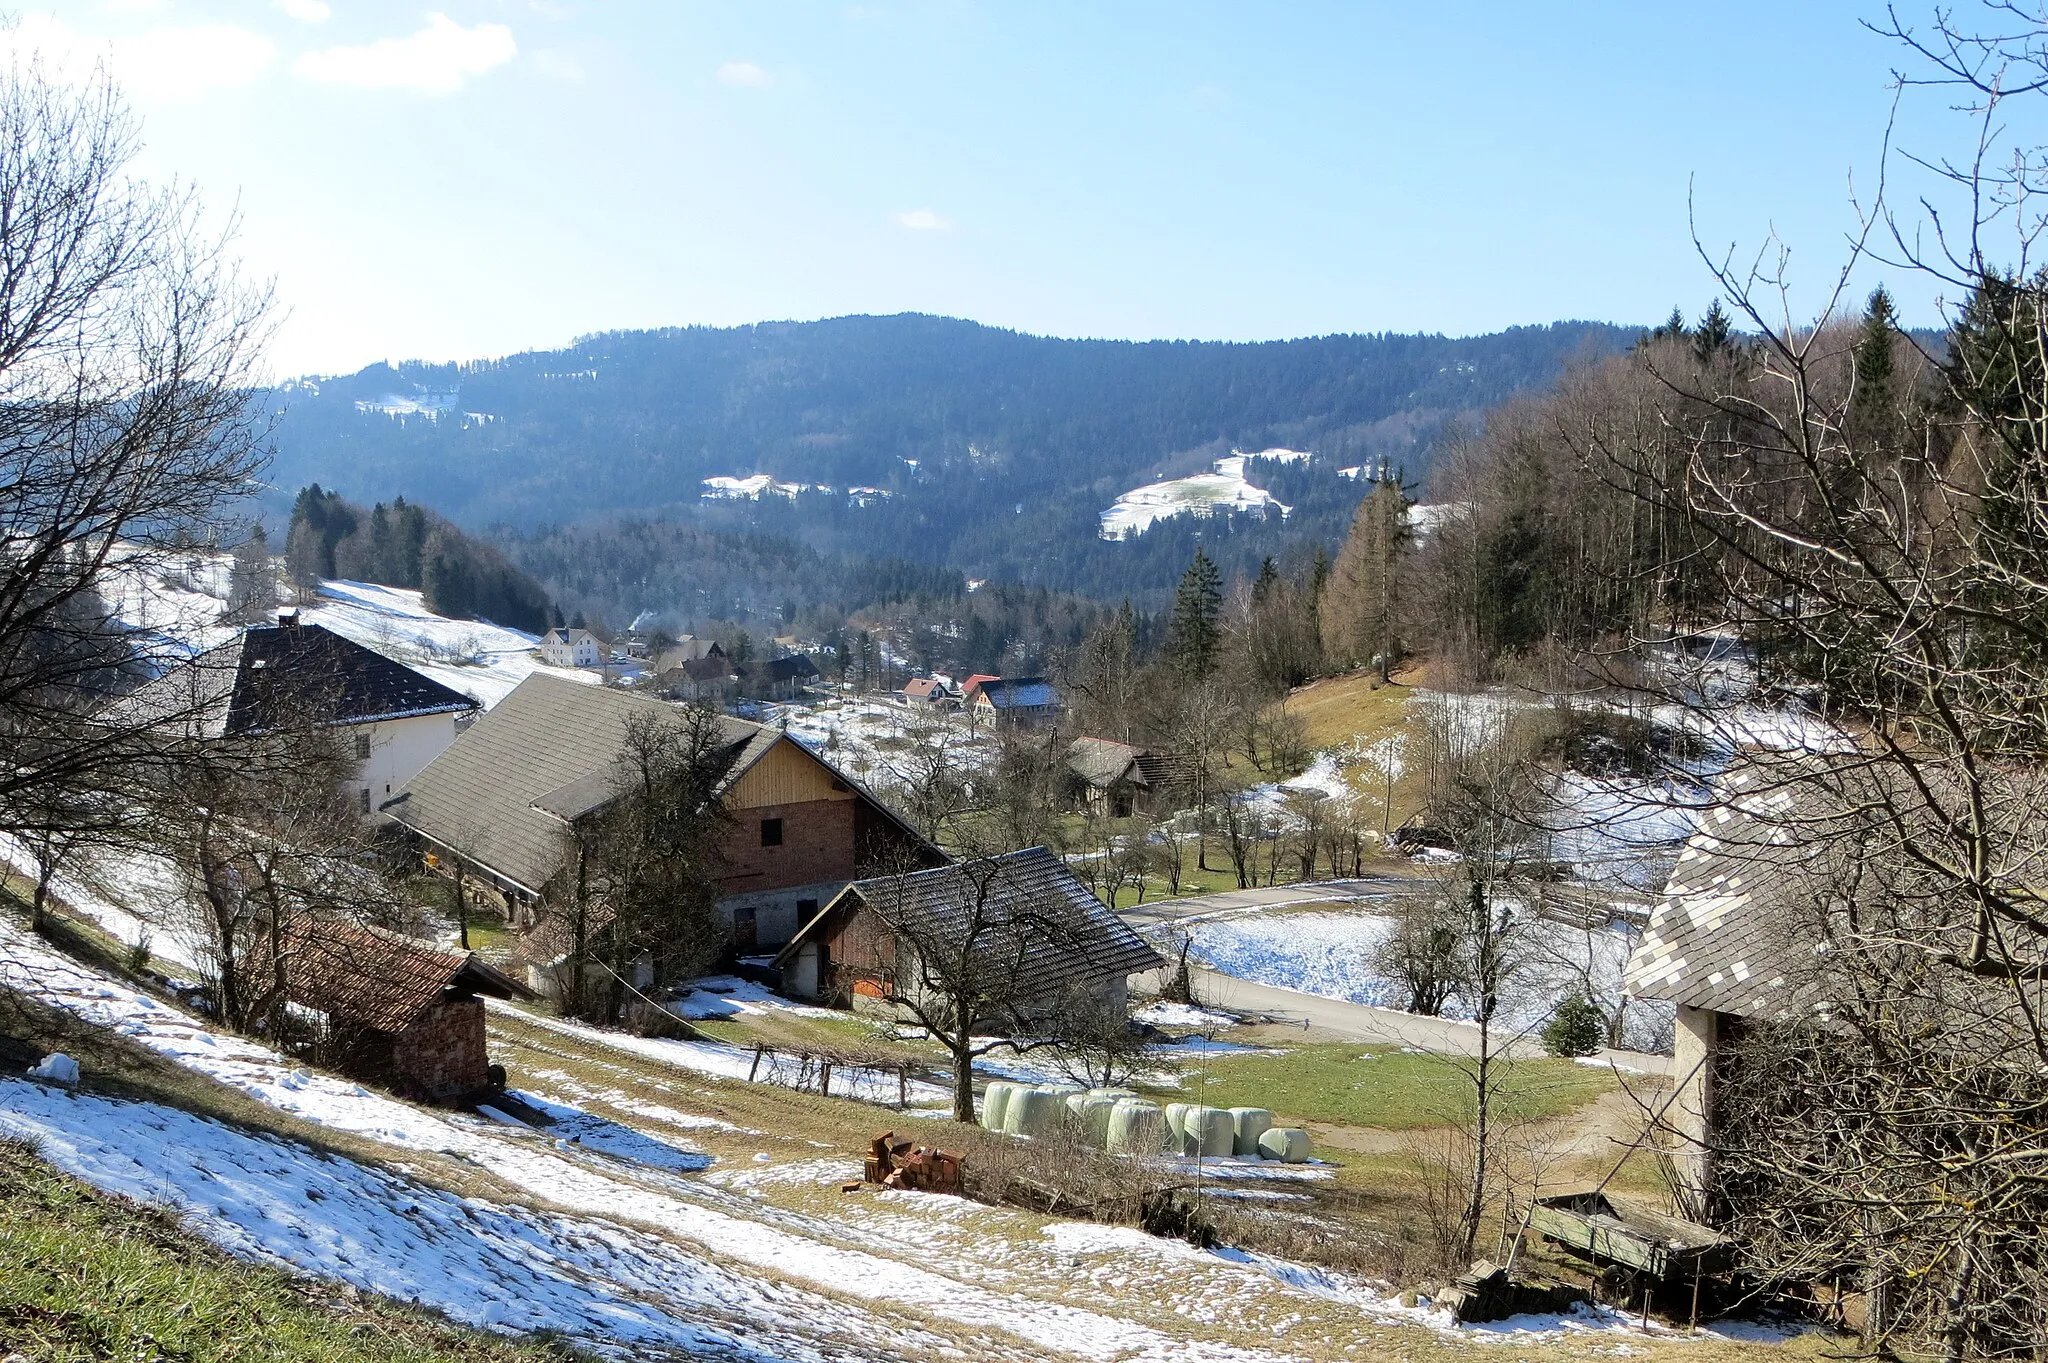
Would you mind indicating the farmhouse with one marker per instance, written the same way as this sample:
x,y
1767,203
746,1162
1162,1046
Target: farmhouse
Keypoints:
x,y
932,691
1117,780
503,802
397,1013
780,678
571,648
290,675
1050,937
1020,702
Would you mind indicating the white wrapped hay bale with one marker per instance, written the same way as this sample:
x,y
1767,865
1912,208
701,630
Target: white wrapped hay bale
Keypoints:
x,y
1136,1127
1212,1131
1095,1115
1034,1111
995,1102
1176,1116
1286,1143
1251,1123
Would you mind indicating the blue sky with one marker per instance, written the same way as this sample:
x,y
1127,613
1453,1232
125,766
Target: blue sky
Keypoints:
x,y
490,175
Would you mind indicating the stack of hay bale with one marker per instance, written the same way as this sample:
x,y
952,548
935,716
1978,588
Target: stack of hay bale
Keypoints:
x,y
1119,1121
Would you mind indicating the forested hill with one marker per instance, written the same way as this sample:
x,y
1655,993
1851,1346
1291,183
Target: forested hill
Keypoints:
x,y
996,450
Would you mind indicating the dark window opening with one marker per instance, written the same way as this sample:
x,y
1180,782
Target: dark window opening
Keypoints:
x,y
362,745
771,832
744,932
366,799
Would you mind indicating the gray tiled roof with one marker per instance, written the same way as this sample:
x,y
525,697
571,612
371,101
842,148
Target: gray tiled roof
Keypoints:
x,y
1086,942
1728,934
503,793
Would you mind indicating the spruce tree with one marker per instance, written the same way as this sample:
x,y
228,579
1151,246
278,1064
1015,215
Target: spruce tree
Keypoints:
x,y
1714,335
1194,636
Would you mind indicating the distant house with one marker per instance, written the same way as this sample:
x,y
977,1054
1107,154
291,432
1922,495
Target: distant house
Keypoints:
x,y
572,648
397,1012
971,688
1021,702
933,691
504,801
284,676
861,950
1118,779
707,680
688,649
780,678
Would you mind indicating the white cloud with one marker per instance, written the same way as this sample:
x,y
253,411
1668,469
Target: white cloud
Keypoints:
x,y
744,73
924,220
162,63
305,11
433,61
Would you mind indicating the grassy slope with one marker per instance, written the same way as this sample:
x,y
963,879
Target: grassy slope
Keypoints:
x,y
1383,1087
87,1276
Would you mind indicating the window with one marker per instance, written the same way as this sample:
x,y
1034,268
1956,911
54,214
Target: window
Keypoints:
x,y
362,746
366,799
771,832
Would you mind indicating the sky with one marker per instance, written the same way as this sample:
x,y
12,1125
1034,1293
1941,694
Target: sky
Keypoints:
x,y
488,176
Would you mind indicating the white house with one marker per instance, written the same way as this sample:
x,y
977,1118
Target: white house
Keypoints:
x,y
571,648
396,720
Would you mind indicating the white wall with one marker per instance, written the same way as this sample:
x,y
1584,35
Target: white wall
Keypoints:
x,y
399,750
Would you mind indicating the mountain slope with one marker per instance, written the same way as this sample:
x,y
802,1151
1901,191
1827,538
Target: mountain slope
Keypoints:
x,y
989,450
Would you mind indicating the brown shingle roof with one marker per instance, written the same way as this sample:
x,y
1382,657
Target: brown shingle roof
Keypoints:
x,y
379,979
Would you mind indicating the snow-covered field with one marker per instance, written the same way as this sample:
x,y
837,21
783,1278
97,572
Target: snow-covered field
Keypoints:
x,y
1201,494
179,605
1331,954
871,740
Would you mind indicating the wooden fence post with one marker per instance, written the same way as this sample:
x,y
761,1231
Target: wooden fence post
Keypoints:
x,y
755,1068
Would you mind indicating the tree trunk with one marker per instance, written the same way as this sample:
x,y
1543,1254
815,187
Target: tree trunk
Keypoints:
x,y
963,1080
461,906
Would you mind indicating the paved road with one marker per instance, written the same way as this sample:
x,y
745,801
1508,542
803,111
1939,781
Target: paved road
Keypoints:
x,y
1376,886
1332,1019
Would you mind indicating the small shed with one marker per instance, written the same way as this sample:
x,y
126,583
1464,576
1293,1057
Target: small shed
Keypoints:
x,y
399,1012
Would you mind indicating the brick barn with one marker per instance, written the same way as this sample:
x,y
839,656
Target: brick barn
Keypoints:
x,y
398,1012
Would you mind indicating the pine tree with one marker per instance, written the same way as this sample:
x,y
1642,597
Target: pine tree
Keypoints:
x,y
1194,636
1360,611
1714,335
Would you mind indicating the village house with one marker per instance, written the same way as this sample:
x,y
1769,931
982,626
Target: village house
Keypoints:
x,y
396,1012
936,692
707,679
777,678
861,950
688,649
1015,702
1116,780
290,675
500,806
572,647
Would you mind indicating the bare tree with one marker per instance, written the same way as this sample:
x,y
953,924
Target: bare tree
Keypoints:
x,y
962,952
126,353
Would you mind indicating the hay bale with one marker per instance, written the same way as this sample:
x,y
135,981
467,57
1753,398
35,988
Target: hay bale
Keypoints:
x,y
1288,1144
1093,1114
1136,1127
1034,1111
1212,1132
1176,1118
995,1102
1251,1123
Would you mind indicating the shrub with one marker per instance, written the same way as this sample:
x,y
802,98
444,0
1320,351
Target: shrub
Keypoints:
x,y
1578,1027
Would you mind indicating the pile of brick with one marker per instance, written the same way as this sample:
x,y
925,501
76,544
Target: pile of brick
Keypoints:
x,y
896,1163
